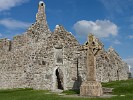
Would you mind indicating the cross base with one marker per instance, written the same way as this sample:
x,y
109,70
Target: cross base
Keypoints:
x,y
91,88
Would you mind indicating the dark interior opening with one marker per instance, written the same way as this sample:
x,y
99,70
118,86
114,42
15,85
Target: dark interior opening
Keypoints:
x,y
10,45
41,4
59,80
43,63
118,74
93,43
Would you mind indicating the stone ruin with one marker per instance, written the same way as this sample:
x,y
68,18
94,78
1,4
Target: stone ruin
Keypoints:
x,y
41,59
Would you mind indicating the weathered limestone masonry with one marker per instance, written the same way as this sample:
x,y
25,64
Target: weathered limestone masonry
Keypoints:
x,y
42,59
91,87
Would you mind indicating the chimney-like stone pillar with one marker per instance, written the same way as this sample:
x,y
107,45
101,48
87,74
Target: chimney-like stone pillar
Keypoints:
x,y
41,17
41,12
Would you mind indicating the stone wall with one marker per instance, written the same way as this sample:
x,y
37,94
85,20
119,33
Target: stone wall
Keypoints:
x,y
5,44
36,58
110,66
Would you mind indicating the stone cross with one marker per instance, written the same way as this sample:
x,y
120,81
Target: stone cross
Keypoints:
x,y
91,87
93,46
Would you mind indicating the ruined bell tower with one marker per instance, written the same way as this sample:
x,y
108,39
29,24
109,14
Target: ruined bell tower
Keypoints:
x,y
41,12
41,17
39,30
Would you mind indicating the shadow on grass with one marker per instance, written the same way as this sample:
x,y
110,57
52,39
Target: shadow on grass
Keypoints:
x,y
70,92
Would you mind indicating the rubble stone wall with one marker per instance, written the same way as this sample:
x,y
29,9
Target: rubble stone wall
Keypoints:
x,y
32,60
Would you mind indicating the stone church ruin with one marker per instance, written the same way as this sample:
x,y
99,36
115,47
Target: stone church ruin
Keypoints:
x,y
41,59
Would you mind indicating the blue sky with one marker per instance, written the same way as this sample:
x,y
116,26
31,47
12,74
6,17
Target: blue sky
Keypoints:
x,y
110,20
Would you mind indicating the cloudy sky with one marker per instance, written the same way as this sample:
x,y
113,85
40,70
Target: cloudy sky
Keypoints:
x,y
110,20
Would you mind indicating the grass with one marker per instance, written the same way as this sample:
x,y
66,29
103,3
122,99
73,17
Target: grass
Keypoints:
x,y
71,92
120,88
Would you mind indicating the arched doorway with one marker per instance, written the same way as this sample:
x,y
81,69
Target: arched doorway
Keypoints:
x,y
59,79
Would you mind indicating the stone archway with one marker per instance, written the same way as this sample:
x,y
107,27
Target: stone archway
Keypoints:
x,y
59,79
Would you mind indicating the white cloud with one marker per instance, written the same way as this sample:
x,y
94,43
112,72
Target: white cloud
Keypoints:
x,y
8,4
130,36
14,24
117,42
101,28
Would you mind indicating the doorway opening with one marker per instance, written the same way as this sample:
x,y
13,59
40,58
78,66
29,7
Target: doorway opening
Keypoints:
x,y
118,74
59,79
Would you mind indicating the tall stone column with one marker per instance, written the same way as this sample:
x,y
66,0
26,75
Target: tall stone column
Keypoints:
x,y
41,18
91,87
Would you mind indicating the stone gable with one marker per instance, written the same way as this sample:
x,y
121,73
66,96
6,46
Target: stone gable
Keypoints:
x,y
42,59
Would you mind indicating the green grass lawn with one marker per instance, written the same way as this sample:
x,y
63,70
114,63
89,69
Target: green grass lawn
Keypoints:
x,y
120,88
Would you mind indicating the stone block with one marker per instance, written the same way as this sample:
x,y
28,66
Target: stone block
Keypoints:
x,y
91,88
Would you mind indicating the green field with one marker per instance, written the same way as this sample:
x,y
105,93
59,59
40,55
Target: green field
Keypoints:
x,y
120,88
